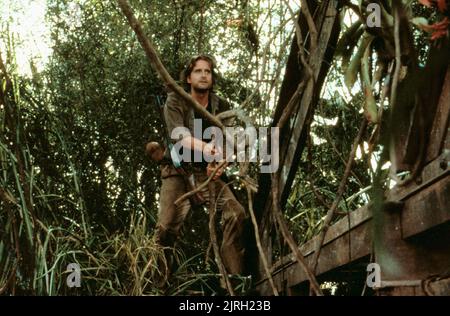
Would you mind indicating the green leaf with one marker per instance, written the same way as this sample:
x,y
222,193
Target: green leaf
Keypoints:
x,y
370,105
355,65
420,22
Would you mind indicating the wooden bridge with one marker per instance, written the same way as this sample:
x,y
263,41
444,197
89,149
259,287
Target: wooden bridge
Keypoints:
x,y
413,244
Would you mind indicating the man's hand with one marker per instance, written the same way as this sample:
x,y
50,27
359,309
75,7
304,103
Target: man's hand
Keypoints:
x,y
211,151
211,167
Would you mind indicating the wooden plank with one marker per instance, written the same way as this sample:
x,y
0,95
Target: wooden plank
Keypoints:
x,y
342,247
411,245
361,241
435,286
415,258
434,171
336,231
441,121
335,254
426,210
347,223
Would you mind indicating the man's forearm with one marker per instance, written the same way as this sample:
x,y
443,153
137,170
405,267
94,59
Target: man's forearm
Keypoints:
x,y
193,143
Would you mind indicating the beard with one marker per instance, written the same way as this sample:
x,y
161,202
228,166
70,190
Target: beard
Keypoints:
x,y
201,90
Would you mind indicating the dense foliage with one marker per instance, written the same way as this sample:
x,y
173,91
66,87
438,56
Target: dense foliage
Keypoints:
x,y
75,186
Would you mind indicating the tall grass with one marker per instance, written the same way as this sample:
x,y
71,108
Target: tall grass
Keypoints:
x,y
45,223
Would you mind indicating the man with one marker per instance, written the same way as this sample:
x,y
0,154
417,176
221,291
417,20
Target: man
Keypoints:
x,y
199,76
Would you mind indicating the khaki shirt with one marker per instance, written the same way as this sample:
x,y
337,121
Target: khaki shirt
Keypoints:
x,y
177,113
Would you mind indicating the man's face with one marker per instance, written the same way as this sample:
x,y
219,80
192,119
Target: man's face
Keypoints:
x,y
200,78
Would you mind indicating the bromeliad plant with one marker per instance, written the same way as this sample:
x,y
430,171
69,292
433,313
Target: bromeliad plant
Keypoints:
x,y
371,51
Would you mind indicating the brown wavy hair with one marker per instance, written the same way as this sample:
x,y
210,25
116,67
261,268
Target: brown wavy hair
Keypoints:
x,y
191,64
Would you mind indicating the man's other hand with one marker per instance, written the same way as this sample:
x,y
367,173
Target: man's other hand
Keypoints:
x,y
211,167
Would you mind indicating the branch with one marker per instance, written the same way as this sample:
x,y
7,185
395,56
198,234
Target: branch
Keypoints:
x,y
212,232
398,59
262,254
338,153
9,280
339,194
157,65
309,69
299,37
289,239
311,25
393,96
201,186
309,75
355,9
265,55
